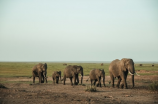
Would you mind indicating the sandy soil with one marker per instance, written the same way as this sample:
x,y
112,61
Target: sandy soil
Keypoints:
x,y
48,93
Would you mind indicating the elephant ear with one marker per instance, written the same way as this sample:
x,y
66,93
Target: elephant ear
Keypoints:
x,y
123,62
45,65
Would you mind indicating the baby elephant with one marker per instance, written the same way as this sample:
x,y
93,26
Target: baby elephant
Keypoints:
x,y
95,75
55,76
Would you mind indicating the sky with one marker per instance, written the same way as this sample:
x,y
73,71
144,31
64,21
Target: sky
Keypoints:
x,y
83,30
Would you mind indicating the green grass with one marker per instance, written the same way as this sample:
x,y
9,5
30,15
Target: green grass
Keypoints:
x,y
154,86
21,69
90,89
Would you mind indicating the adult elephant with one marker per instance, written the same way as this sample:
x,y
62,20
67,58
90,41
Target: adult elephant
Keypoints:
x,y
120,68
55,76
95,75
72,71
40,70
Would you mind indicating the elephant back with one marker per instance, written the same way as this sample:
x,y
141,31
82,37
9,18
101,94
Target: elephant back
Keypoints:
x,y
93,73
55,74
70,71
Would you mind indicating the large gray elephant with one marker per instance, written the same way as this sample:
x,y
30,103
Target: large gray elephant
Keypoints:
x,y
120,68
55,76
40,70
72,71
95,75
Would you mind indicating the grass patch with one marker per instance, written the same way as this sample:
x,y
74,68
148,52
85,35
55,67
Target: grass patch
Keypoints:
x,y
90,89
154,86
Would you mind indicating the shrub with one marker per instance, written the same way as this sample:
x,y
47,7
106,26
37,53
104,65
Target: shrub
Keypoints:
x,y
154,86
90,88
2,86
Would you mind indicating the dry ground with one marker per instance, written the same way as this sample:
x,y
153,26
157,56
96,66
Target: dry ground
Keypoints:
x,y
23,93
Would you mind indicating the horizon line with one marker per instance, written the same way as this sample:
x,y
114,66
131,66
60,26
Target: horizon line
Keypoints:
x,y
81,61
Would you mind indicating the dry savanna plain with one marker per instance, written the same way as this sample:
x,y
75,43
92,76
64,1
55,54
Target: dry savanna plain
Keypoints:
x,y
16,86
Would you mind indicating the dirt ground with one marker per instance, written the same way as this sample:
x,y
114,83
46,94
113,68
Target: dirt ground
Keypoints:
x,y
48,93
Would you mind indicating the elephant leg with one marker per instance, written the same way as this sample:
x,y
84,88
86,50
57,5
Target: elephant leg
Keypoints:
x,y
57,80
60,77
45,78
77,79
91,82
112,80
126,73
95,82
124,84
40,79
100,81
71,81
118,83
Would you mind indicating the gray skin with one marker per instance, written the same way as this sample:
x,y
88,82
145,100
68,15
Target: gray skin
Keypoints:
x,y
59,75
120,69
40,70
95,75
79,71
103,76
45,74
72,71
55,76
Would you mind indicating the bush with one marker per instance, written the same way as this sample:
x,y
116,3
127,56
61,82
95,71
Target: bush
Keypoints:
x,y
154,86
91,89
2,86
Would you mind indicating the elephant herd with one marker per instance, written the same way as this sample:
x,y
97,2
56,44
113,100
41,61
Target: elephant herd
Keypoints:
x,y
117,68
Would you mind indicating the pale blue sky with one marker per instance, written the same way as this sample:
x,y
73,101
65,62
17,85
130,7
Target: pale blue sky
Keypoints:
x,y
83,30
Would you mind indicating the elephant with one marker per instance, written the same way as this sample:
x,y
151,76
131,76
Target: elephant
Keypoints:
x,y
55,76
120,68
103,75
95,75
72,71
79,71
40,70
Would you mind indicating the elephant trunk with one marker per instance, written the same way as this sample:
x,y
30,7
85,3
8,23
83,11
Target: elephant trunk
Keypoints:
x,y
132,80
131,71
132,75
104,80
81,76
45,76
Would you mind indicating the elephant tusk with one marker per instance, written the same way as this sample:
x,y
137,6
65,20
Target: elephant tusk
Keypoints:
x,y
130,73
137,74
